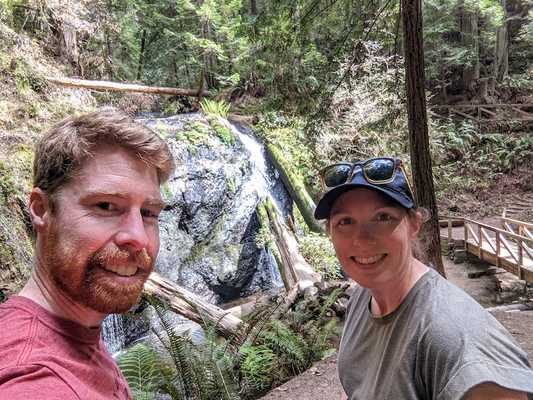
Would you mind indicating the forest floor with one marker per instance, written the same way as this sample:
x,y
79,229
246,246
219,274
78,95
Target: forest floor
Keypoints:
x,y
321,382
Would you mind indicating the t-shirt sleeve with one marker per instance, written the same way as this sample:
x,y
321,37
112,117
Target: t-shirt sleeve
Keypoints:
x,y
461,354
33,382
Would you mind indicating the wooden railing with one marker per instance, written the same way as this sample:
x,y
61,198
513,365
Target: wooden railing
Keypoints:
x,y
519,227
505,248
480,112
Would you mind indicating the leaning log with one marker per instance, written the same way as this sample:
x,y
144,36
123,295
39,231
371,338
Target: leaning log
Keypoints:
x,y
191,306
125,87
286,272
295,187
293,262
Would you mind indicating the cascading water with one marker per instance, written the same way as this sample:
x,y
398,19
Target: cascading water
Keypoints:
x,y
113,333
208,229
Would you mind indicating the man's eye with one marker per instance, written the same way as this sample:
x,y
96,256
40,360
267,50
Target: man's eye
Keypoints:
x,y
149,214
106,206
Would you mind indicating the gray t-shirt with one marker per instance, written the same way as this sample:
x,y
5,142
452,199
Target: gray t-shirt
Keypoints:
x,y
437,344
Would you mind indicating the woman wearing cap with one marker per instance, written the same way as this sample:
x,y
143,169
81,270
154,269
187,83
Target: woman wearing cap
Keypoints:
x,y
409,333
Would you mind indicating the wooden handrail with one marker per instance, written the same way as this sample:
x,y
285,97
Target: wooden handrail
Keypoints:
x,y
479,105
502,231
508,247
517,222
489,240
471,230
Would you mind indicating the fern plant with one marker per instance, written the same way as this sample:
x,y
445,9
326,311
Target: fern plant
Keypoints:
x,y
214,107
141,368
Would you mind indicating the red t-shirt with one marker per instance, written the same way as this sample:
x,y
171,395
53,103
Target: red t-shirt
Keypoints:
x,y
46,357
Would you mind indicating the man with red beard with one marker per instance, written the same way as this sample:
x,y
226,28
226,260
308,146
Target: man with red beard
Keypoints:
x,y
94,207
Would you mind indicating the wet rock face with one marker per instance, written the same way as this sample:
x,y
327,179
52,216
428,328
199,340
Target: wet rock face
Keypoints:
x,y
208,228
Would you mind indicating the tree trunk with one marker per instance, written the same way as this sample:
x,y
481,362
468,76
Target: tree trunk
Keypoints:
x,y
191,306
253,7
469,38
141,55
418,129
124,87
501,52
69,45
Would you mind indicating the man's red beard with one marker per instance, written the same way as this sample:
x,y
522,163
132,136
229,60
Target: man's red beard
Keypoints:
x,y
82,276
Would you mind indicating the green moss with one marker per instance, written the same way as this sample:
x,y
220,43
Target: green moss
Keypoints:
x,y
166,192
161,130
7,183
27,79
224,134
295,186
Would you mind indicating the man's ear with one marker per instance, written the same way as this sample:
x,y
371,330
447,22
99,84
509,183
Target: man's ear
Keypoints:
x,y
40,206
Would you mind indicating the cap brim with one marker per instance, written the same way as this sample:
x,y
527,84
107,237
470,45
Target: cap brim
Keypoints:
x,y
323,208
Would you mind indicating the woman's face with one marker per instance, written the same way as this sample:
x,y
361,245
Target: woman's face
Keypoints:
x,y
372,237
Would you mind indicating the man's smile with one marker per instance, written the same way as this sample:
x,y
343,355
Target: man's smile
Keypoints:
x,y
122,270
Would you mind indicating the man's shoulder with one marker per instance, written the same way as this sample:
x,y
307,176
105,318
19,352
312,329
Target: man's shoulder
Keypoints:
x,y
16,321
33,381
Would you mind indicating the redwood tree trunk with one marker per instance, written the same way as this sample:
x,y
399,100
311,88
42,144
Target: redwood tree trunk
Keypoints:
x,y
418,129
501,52
469,38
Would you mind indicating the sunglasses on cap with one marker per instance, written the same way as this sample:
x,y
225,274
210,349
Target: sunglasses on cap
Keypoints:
x,y
376,171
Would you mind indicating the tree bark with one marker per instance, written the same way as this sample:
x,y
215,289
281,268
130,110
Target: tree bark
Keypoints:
x,y
124,87
294,265
501,52
418,129
469,38
191,306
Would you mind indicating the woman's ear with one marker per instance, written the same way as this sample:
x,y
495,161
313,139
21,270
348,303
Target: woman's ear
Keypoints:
x,y
415,223
40,208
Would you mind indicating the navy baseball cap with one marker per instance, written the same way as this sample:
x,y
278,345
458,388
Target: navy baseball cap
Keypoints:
x,y
397,190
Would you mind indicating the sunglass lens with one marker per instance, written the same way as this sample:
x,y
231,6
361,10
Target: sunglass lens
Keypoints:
x,y
336,175
380,169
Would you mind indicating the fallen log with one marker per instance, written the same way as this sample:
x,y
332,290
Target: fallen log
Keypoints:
x,y
125,87
295,187
191,306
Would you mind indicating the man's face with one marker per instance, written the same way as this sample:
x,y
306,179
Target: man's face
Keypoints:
x,y
100,243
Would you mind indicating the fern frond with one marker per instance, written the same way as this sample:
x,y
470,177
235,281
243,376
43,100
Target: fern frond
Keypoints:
x,y
140,368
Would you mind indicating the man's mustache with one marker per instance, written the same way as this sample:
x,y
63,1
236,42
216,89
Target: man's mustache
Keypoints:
x,y
114,256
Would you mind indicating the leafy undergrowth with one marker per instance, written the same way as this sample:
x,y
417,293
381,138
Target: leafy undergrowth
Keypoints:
x,y
269,349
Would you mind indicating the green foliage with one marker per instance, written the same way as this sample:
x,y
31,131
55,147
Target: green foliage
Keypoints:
x,y
7,184
467,159
140,366
258,368
214,107
289,136
289,346
224,133
265,353
318,251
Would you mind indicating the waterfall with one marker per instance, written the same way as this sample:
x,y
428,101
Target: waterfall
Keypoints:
x,y
208,231
113,333
263,181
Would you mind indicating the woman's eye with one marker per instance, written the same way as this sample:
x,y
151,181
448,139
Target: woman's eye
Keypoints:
x,y
344,221
382,217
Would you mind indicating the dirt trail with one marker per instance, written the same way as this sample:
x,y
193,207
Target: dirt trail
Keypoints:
x,y
321,382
